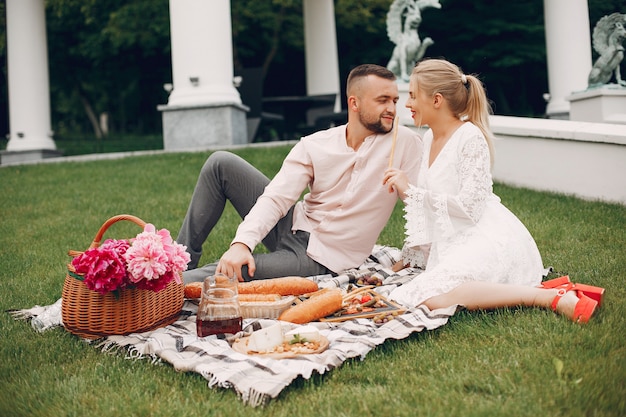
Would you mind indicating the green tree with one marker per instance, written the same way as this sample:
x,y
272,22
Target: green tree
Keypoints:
x,y
269,35
108,56
502,42
507,48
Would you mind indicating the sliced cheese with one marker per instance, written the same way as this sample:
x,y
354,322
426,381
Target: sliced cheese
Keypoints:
x,y
308,333
266,339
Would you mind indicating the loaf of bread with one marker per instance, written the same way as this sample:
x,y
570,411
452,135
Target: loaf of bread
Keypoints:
x,y
193,290
253,298
325,303
274,287
281,286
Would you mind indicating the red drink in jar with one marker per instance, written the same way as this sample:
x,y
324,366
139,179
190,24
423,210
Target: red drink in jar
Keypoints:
x,y
209,327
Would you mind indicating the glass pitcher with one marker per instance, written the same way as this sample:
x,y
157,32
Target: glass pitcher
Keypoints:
x,y
219,310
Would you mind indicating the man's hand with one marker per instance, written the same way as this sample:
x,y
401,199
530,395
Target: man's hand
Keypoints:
x,y
398,266
234,258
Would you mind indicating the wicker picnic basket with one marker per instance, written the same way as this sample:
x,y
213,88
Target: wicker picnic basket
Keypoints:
x,y
91,315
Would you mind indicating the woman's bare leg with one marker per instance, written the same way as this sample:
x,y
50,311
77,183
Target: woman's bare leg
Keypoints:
x,y
478,295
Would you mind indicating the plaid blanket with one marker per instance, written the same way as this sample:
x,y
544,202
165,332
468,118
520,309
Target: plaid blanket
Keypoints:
x,y
255,378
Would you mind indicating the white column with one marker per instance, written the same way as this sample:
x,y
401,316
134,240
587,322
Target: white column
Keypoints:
x,y
568,47
202,53
204,107
320,39
29,91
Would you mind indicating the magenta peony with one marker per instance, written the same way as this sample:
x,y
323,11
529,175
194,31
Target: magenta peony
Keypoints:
x,y
103,268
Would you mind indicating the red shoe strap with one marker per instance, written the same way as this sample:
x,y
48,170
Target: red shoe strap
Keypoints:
x,y
560,293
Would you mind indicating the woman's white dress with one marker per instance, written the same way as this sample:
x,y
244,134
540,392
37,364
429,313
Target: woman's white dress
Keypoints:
x,y
457,227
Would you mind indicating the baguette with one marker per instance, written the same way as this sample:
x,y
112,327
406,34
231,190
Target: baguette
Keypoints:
x,y
281,286
316,307
250,298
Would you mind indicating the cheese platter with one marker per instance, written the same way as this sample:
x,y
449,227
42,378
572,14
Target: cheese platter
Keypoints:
x,y
273,342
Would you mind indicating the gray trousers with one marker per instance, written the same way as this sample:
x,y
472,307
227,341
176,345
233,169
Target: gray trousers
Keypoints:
x,y
226,176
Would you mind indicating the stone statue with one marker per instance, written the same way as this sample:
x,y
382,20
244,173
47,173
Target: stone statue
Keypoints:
x,y
409,48
608,36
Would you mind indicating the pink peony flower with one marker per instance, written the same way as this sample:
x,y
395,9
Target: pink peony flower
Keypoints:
x,y
146,258
119,246
155,256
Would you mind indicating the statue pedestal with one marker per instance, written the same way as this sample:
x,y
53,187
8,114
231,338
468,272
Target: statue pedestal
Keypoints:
x,y
201,126
604,104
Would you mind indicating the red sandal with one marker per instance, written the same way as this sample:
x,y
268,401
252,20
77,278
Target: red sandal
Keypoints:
x,y
595,293
585,307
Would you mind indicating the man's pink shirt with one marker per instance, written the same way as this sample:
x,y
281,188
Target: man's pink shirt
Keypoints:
x,y
347,205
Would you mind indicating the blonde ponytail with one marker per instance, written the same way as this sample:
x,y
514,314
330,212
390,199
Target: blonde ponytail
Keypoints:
x,y
478,110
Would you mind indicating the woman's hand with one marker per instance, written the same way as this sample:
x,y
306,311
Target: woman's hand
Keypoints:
x,y
397,181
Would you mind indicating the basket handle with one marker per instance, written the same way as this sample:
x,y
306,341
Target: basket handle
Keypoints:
x,y
104,228
110,222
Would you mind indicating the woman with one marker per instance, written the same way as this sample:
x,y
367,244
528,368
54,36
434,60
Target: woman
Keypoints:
x,y
476,253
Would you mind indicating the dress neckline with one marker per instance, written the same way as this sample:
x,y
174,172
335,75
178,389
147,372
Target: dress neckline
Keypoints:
x,y
443,147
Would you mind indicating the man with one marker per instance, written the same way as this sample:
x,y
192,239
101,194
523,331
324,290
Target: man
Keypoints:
x,y
335,226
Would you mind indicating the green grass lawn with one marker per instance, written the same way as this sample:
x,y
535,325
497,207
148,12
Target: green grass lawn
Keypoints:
x,y
499,363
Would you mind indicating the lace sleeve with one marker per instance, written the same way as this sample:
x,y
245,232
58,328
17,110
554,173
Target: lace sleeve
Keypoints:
x,y
432,216
474,179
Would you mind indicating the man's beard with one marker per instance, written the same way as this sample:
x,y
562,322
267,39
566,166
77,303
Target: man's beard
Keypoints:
x,y
376,126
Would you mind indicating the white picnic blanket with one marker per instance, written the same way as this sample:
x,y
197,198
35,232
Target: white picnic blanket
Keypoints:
x,y
256,378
